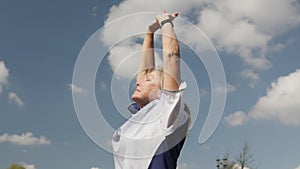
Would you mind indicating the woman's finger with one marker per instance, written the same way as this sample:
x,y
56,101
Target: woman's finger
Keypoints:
x,y
174,15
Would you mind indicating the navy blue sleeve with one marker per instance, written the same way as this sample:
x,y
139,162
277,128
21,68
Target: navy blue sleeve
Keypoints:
x,y
168,159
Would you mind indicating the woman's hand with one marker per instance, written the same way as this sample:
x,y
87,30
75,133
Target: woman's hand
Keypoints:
x,y
164,16
154,26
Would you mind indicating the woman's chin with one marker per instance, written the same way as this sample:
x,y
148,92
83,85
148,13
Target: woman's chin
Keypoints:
x,y
137,98
134,97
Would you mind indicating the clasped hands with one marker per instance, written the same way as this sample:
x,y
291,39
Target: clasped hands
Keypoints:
x,y
159,20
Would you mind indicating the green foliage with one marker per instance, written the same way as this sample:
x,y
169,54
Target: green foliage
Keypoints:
x,y
15,166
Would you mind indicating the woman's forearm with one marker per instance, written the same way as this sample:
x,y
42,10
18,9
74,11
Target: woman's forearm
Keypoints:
x,y
147,58
171,57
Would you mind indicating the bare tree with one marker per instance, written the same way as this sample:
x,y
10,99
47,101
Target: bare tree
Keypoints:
x,y
245,157
244,160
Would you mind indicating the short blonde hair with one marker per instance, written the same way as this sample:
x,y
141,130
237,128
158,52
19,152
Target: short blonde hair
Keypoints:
x,y
160,74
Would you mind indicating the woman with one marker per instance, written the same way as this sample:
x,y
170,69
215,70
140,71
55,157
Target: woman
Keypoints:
x,y
153,137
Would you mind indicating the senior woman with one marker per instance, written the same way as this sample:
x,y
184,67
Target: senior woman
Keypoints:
x,y
154,136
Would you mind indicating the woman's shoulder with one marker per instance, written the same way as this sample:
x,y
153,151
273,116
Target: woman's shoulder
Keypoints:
x,y
182,87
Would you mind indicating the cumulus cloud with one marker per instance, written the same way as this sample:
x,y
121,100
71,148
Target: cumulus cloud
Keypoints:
x,y
4,73
95,168
123,55
24,139
76,89
228,88
250,74
236,36
14,98
239,27
236,118
28,166
281,103
298,167
245,27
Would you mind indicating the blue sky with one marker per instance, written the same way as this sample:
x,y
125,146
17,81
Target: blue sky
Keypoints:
x,y
257,42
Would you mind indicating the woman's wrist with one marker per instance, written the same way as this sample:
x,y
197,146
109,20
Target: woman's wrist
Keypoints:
x,y
166,21
149,32
166,18
153,27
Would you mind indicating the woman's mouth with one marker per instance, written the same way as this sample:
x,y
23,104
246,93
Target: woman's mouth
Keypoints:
x,y
137,90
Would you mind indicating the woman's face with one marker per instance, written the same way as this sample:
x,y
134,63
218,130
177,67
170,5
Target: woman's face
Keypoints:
x,y
147,89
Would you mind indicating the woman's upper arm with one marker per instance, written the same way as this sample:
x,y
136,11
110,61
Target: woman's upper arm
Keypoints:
x,y
171,72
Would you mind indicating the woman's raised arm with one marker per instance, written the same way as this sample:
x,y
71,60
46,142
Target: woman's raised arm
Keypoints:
x,y
171,53
147,59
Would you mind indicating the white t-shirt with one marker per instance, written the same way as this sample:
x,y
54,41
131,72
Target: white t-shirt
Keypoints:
x,y
138,139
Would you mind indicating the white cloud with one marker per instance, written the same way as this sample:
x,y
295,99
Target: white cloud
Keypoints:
x,y
236,118
76,89
277,47
236,36
28,166
298,167
229,88
24,139
249,74
4,73
134,25
248,26
13,97
240,27
281,103
95,168
94,10
123,58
